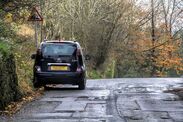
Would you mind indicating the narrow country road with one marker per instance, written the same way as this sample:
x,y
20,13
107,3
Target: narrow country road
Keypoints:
x,y
108,100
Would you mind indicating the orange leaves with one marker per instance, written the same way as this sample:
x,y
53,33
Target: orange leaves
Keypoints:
x,y
140,42
169,63
166,49
168,56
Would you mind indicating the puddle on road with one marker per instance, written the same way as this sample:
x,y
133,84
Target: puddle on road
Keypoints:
x,y
143,88
93,98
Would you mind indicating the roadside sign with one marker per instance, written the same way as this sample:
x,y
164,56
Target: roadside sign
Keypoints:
x,y
35,15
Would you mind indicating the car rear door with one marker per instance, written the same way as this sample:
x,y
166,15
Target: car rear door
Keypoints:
x,y
59,61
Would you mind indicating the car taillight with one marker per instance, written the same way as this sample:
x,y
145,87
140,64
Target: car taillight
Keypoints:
x,y
79,69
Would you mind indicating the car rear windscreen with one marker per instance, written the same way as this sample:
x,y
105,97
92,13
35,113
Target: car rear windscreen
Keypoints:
x,y
58,49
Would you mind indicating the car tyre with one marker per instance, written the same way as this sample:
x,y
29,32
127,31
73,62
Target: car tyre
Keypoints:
x,y
36,83
46,87
82,84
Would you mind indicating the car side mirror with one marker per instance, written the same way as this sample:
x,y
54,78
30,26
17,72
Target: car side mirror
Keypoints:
x,y
87,57
33,56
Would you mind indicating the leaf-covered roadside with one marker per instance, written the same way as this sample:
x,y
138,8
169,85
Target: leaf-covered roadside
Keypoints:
x,y
14,107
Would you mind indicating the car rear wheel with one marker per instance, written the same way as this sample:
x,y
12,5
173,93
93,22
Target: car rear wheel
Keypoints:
x,y
36,83
82,84
46,87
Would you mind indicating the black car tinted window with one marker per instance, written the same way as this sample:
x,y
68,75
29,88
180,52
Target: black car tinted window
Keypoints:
x,y
58,49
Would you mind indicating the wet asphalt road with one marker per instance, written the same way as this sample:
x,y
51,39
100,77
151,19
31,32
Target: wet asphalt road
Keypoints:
x,y
108,100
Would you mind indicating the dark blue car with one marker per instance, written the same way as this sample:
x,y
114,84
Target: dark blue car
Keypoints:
x,y
59,62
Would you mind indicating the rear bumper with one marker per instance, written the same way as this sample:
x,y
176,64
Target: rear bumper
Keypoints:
x,y
59,77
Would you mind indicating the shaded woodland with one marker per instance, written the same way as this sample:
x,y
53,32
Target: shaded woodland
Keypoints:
x,y
125,38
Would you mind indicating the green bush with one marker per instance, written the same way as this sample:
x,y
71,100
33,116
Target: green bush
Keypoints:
x,y
4,48
93,74
9,90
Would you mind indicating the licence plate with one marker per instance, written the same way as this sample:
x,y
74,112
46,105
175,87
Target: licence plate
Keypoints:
x,y
59,68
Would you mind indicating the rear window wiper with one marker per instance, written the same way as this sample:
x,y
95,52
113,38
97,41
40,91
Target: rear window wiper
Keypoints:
x,y
47,56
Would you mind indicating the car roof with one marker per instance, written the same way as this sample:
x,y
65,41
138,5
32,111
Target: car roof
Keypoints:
x,y
61,41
